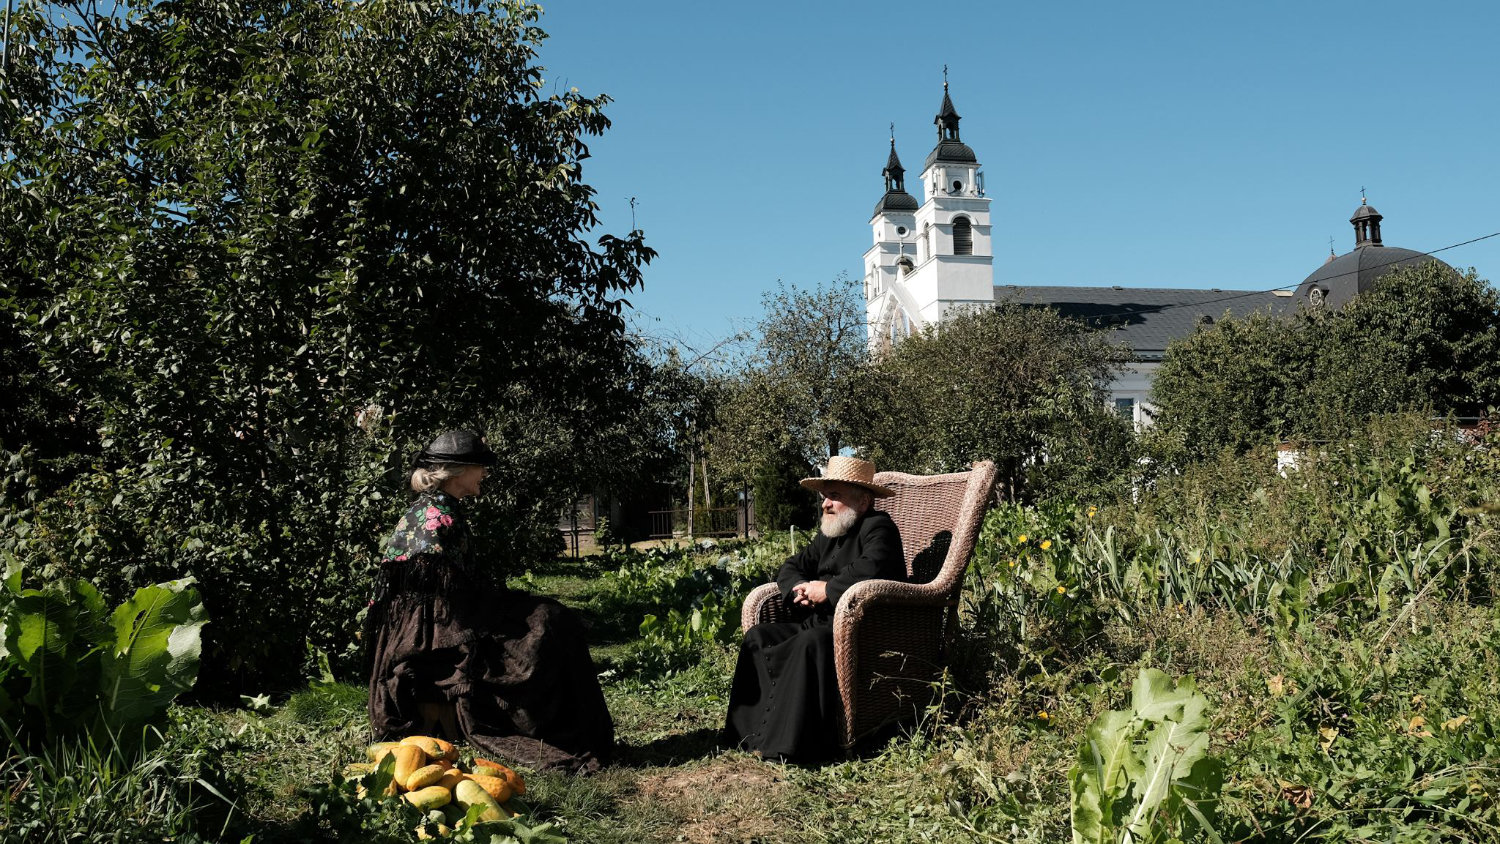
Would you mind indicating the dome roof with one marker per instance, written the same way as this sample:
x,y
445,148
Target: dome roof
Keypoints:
x,y
896,200
956,152
1352,273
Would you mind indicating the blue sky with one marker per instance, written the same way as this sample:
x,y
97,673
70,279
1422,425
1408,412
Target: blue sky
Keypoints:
x,y
1148,145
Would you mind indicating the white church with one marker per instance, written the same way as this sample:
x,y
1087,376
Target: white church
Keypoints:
x,y
932,258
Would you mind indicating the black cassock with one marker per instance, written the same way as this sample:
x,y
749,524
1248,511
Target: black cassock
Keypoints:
x,y
785,698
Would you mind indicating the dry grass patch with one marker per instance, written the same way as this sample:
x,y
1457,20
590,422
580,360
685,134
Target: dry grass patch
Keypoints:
x,y
725,799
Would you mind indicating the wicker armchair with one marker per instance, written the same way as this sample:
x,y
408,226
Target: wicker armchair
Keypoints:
x,y
890,638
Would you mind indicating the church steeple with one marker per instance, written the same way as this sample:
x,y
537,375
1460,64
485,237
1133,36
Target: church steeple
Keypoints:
x,y
947,116
896,199
949,148
894,173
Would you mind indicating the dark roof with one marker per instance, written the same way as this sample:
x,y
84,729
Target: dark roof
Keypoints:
x,y
947,110
892,162
1145,318
1364,211
954,151
1353,273
896,200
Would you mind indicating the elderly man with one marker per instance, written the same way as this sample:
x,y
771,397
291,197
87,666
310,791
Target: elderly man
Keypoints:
x,y
785,700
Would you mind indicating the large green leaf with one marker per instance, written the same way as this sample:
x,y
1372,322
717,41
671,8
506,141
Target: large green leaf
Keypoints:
x,y
1101,775
1171,751
157,643
40,629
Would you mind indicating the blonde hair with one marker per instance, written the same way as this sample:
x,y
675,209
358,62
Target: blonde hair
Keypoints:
x,y
429,478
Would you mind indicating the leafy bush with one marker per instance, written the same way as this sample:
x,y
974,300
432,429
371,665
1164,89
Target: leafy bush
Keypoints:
x,y
279,275
694,600
1425,338
83,790
71,671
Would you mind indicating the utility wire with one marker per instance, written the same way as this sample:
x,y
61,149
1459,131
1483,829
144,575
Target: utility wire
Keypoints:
x,y
1155,309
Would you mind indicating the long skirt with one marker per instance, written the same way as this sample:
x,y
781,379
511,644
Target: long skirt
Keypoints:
x,y
785,699
517,673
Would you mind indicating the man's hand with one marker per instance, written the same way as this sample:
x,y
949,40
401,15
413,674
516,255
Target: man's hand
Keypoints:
x,y
810,593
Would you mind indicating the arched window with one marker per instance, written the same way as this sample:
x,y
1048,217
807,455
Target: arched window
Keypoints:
x,y
963,236
903,267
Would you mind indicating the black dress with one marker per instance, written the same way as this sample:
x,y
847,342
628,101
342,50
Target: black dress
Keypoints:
x,y
785,699
516,667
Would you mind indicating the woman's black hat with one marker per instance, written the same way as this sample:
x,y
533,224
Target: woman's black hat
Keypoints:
x,y
465,448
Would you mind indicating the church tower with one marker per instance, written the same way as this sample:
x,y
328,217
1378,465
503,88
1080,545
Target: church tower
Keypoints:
x,y
954,258
891,259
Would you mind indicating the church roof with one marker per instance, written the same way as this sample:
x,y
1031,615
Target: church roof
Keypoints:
x,y
956,152
1145,318
896,200
1353,273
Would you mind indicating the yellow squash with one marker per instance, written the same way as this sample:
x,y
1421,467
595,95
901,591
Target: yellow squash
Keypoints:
x,y
431,797
469,793
409,758
424,776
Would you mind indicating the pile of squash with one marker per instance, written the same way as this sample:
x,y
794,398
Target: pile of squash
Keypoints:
x,y
426,773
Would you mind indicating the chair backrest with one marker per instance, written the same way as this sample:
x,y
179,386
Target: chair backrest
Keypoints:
x,y
936,510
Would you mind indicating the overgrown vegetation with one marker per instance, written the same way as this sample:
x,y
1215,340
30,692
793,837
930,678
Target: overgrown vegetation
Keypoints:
x,y
1424,338
1307,657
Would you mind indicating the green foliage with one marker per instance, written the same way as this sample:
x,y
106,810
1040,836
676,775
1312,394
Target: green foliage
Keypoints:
x,y
780,502
694,601
257,254
70,670
1144,773
1015,385
796,396
1424,338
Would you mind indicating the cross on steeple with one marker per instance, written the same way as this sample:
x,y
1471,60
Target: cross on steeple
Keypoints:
x,y
1362,199
945,76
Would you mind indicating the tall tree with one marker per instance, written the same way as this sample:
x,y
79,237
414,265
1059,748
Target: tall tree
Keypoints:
x,y
1021,386
270,248
793,399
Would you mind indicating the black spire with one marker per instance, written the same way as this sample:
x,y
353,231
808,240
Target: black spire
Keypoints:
x,y
896,198
894,173
947,117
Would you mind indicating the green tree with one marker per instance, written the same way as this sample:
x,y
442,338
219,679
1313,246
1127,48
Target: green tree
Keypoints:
x,y
1424,338
793,398
1232,386
1021,386
780,502
270,249
796,392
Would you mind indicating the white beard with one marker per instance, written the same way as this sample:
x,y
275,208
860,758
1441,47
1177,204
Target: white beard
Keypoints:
x,y
835,525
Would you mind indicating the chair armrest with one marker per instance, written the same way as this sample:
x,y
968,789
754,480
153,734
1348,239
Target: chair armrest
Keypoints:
x,y
760,605
859,598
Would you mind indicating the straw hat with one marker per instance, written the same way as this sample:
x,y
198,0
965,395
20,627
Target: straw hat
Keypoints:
x,y
849,470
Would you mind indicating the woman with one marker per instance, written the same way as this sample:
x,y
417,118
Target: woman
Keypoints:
x,y
507,672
